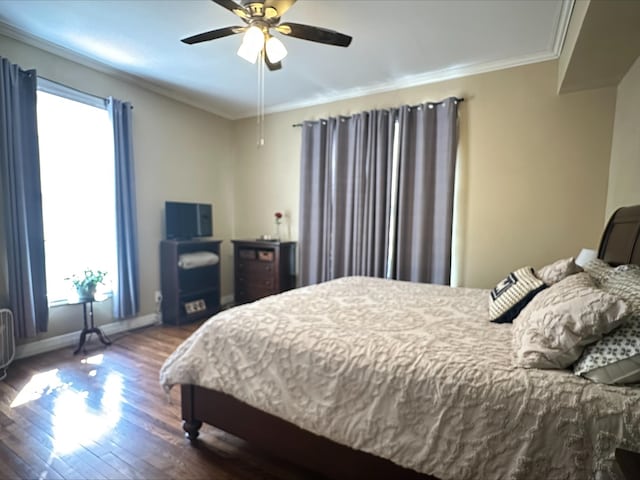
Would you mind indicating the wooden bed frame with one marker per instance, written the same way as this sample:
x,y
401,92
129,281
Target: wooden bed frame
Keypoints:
x,y
620,244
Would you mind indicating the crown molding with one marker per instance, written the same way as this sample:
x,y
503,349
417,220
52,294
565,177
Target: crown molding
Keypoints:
x,y
86,61
441,75
401,83
412,81
562,26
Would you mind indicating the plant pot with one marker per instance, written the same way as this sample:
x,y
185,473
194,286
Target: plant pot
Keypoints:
x,y
86,293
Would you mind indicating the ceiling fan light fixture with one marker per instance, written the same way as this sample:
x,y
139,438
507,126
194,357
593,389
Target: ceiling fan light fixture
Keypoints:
x,y
276,50
252,44
249,54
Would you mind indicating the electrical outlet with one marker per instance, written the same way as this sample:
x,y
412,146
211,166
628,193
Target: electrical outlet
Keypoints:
x,y
158,296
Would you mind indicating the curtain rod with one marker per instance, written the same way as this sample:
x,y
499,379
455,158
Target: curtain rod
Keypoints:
x,y
296,125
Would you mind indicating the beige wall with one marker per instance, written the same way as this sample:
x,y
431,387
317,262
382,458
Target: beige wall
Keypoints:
x,y
533,167
181,153
602,42
624,172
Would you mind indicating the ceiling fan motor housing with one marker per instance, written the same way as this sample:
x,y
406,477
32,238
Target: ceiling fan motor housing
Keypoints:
x,y
257,9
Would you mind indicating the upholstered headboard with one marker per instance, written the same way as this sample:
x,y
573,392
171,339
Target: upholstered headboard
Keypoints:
x,y
620,242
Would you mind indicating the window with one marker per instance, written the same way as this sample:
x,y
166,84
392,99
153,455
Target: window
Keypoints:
x,y
78,186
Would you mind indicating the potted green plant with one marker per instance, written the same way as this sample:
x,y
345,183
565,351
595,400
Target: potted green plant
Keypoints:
x,y
87,282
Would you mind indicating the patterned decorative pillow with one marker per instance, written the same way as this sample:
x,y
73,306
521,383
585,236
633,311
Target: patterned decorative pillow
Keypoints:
x,y
625,283
625,268
599,270
552,331
616,358
558,270
512,294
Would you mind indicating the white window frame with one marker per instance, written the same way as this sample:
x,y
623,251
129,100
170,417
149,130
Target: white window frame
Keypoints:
x,y
70,93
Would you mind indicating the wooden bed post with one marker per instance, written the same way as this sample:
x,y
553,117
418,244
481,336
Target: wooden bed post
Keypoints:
x,y
190,424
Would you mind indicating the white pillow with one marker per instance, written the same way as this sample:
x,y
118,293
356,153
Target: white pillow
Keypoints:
x,y
558,270
553,329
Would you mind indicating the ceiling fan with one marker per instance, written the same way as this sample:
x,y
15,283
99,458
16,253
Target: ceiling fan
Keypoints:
x,y
260,17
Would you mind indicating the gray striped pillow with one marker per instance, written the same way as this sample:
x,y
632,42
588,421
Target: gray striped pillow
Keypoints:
x,y
513,293
598,270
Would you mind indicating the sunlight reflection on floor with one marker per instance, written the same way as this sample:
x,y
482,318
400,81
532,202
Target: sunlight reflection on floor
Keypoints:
x,y
79,417
94,360
76,423
40,384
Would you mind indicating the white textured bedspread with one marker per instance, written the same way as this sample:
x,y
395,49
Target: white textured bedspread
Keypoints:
x,y
414,373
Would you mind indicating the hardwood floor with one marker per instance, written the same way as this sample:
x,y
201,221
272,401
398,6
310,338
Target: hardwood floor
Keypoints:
x,y
103,415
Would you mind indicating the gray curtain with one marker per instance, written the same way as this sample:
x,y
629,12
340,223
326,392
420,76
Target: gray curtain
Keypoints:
x,y
22,201
364,212
345,196
428,144
125,291
315,200
362,193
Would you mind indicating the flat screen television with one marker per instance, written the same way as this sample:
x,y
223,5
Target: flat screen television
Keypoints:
x,y
184,221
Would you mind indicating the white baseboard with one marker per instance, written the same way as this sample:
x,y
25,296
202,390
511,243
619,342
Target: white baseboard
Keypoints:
x,y
68,339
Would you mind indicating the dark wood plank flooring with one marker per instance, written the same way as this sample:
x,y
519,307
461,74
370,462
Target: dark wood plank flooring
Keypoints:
x,y
103,415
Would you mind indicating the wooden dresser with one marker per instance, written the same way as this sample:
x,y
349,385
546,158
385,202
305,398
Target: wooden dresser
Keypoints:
x,y
262,268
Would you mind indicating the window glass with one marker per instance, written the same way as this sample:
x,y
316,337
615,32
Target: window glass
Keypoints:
x,y
78,190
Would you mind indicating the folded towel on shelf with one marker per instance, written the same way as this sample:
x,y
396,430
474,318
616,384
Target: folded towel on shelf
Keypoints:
x,y
197,259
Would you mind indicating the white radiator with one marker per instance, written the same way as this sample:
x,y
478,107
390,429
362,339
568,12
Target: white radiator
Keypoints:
x,y
7,341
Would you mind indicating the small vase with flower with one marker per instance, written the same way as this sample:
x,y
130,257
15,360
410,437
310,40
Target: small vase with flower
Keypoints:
x,y
278,219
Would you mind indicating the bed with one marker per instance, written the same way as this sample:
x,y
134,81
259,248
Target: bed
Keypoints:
x,y
370,378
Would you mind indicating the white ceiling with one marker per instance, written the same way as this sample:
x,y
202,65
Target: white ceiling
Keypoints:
x,y
396,43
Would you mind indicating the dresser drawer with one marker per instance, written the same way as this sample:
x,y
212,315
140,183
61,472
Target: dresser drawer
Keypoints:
x,y
247,253
255,267
251,293
257,281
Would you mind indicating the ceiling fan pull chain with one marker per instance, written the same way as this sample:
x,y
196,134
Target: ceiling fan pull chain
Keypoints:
x,y
260,113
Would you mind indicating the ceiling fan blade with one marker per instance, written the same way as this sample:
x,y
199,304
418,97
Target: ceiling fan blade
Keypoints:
x,y
272,66
233,7
314,34
281,6
213,34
